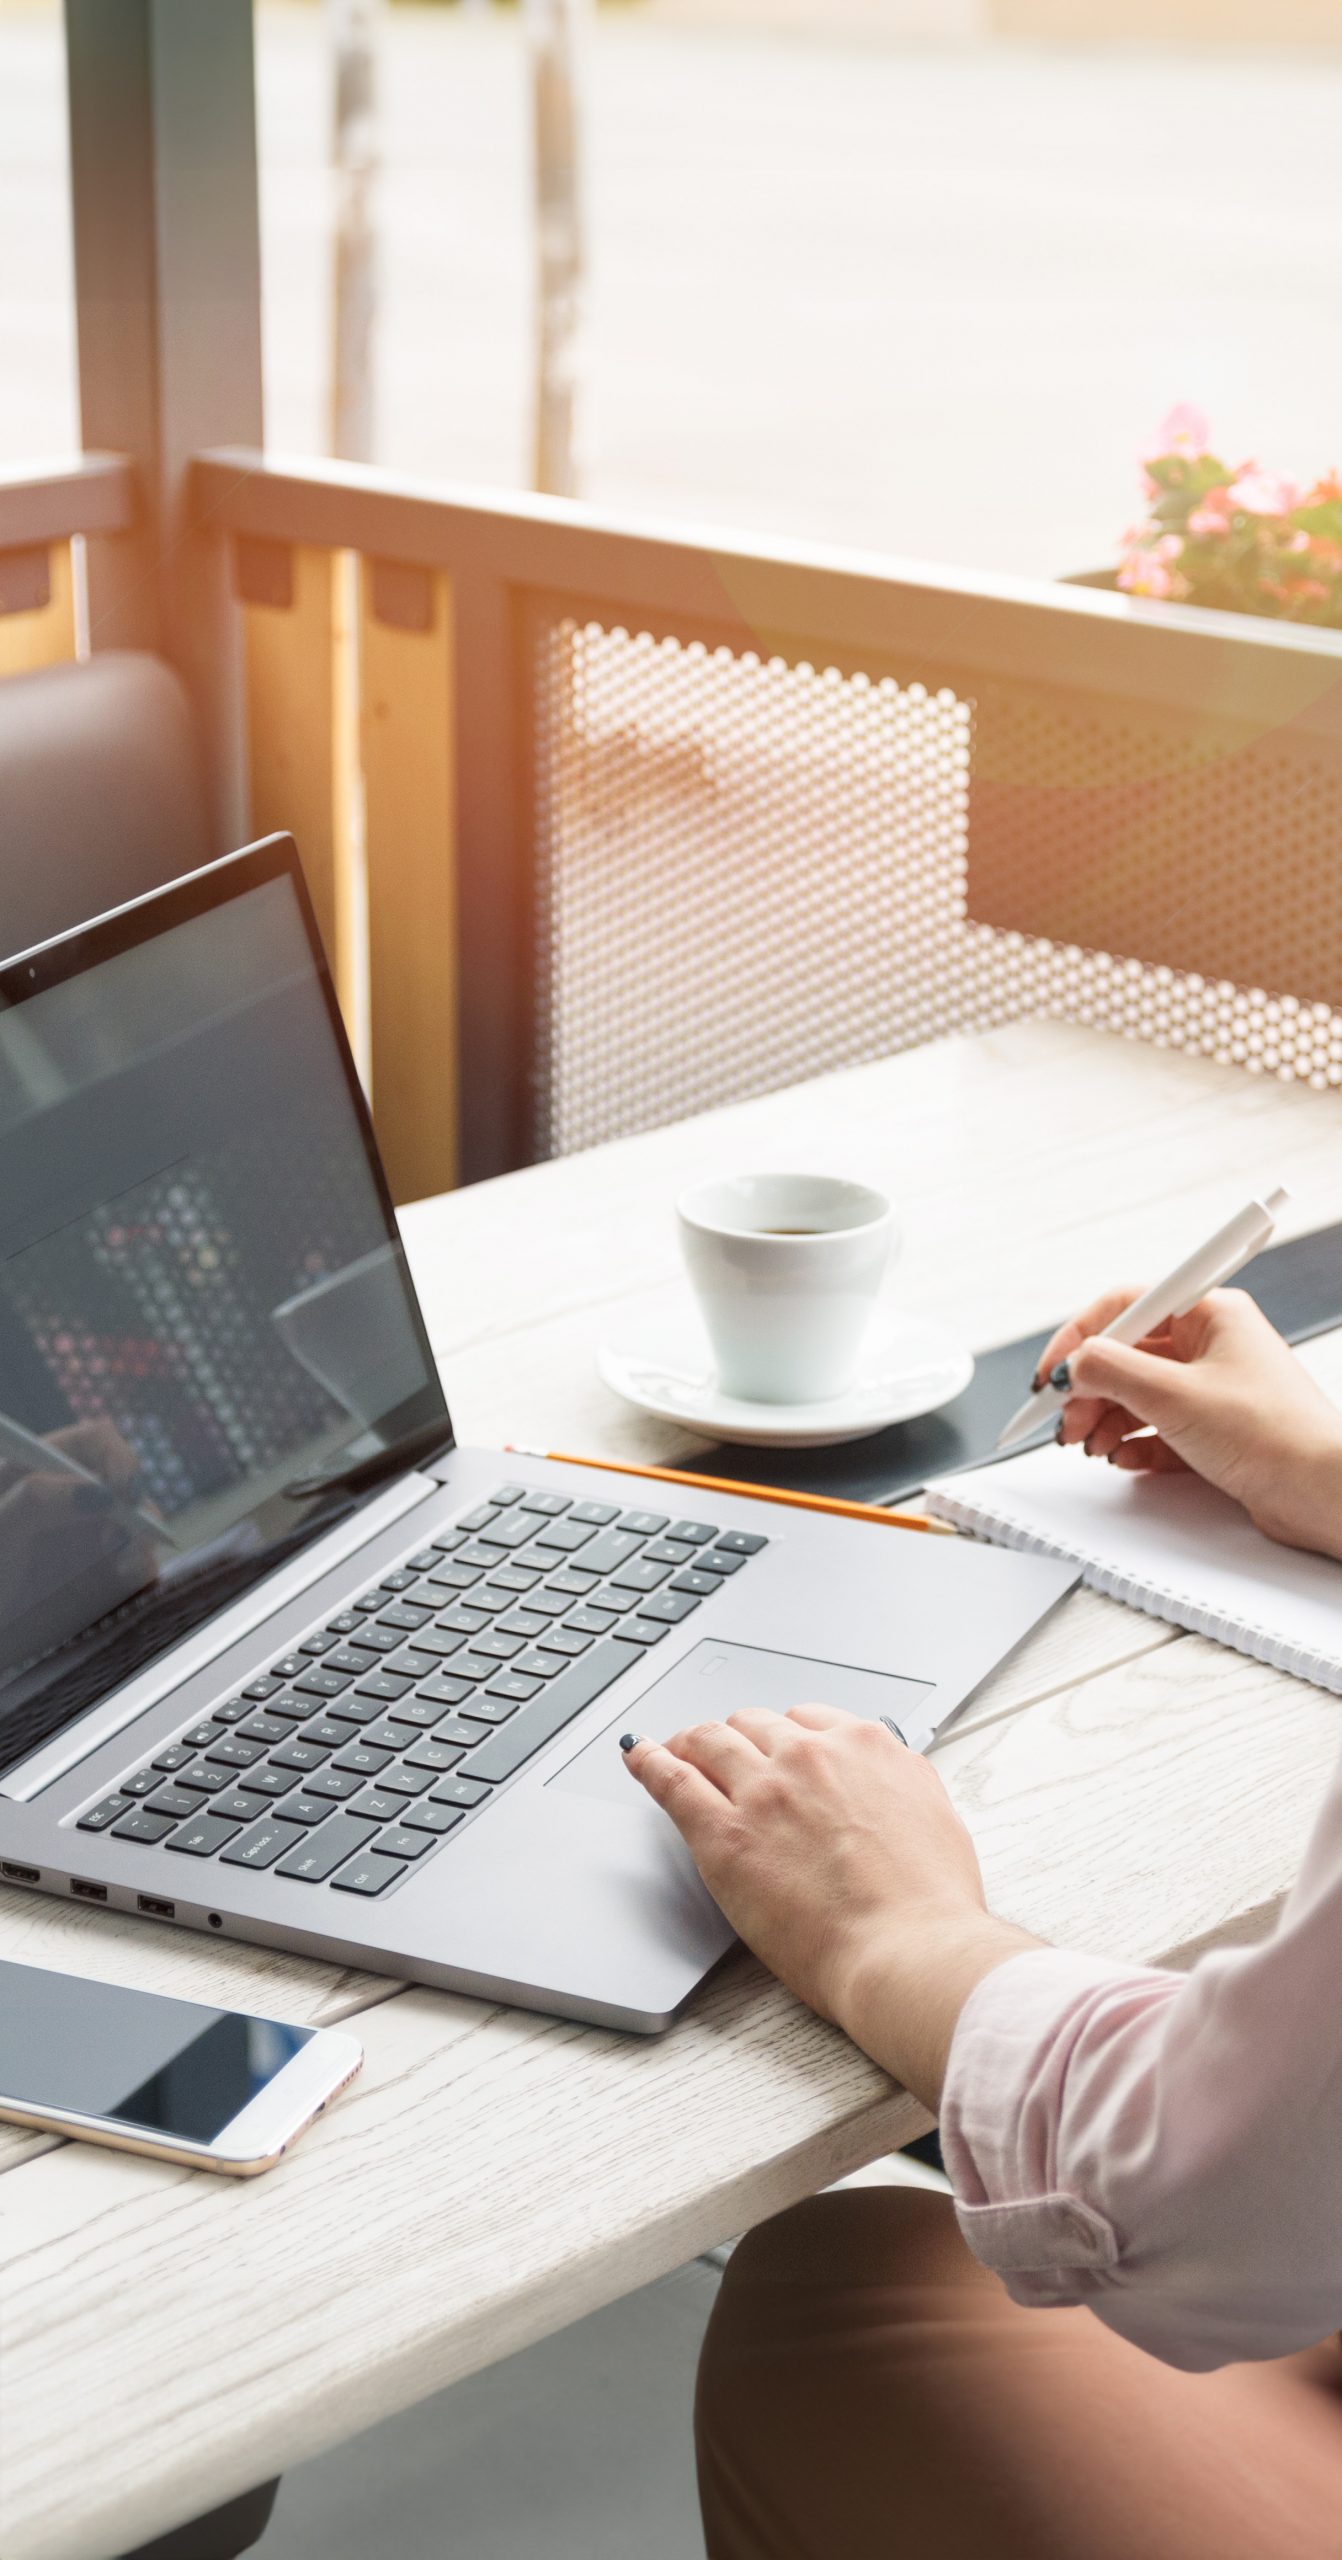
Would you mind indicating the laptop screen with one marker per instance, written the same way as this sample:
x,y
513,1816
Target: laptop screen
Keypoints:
x,y
204,1303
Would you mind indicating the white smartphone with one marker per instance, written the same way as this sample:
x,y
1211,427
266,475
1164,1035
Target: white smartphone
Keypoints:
x,y
210,2088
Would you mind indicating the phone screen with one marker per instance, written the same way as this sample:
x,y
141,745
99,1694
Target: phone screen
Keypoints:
x,y
155,2065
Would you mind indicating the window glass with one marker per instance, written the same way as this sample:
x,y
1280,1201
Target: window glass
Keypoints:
x,y
864,272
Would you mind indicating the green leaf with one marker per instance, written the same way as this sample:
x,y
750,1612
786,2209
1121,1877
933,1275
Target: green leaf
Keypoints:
x,y
1325,519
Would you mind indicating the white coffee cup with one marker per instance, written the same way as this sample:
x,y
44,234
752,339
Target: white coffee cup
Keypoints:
x,y
787,1268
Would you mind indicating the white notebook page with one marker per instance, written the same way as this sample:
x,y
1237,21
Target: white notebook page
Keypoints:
x,y
1167,1544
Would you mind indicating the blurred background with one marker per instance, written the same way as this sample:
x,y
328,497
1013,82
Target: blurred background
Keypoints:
x,y
920,276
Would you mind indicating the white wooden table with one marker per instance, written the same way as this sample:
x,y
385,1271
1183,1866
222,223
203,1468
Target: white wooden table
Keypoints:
x,y
167,2339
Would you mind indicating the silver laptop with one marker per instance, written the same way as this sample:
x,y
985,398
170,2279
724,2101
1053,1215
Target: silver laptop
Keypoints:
x,y
278,1660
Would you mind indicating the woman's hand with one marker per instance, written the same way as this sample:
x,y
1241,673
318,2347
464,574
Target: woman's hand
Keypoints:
x,y
1227,1398
838,1856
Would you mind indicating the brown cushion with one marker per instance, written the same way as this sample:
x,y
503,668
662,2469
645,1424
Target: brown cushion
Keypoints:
x,y
101,795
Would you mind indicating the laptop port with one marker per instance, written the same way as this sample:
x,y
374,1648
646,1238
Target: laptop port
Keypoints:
x,y
87,1892
19,1875
157,1908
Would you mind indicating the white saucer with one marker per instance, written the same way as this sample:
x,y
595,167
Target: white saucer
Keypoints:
x,y
908,1367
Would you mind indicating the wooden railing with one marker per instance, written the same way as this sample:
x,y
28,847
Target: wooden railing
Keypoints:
x,y
1134,777
1059,800
46,513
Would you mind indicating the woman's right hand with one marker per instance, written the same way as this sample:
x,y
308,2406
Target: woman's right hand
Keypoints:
x,y
1222,1395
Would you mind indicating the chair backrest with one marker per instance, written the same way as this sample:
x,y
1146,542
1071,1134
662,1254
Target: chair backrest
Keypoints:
x,y
101,796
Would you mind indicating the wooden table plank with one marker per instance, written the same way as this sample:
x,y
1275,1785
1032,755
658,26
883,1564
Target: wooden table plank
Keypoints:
x,y
1088,1634
493,2176
467,2205
1132,1790
1154,1809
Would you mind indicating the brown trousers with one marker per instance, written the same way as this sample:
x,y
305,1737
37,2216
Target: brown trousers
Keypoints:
x,y
867,2390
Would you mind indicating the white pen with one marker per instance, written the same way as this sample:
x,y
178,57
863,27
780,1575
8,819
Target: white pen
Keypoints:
x,y
1210,1267
34,1457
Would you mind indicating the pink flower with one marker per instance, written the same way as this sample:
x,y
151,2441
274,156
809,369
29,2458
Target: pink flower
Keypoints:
x,y
1212,514
1185,430
1142,574
1297,590
1264,493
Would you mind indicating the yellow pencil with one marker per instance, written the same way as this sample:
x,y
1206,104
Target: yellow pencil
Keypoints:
x,y
756,1492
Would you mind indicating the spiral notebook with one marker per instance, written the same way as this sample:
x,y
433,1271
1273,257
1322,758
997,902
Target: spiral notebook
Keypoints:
x,y
1168,1544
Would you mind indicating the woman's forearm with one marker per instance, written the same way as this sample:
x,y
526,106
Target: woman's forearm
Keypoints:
x,y
903,1996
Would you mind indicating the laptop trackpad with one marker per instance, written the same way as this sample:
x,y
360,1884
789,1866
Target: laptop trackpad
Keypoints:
x,y
712,1683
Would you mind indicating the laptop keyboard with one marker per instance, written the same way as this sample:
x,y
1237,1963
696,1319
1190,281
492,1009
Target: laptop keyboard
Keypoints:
x,y
359,1753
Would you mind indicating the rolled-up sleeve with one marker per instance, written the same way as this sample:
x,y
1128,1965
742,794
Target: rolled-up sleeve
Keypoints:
x,y
1165,2148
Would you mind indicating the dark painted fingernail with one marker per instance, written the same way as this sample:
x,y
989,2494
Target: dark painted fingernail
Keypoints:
x,y
1037,1381
1061,1433
627,1741
1061,1378
892,1727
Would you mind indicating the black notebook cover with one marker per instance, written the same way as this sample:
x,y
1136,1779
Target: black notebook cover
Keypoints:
x,y
1299,1285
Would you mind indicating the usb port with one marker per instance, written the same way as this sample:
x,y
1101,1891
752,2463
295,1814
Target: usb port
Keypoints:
x,y
18,1874
157,1908
87,1892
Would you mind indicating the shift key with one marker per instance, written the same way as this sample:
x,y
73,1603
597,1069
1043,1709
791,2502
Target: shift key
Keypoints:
x,y
321,1851
532,1727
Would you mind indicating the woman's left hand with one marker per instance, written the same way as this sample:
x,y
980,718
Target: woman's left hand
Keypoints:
x,y
838,1856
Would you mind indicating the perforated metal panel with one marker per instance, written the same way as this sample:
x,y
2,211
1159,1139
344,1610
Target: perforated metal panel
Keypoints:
x,y
1179,834
753,870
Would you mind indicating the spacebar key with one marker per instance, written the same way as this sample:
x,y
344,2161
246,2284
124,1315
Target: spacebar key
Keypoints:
x,y
533,1726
